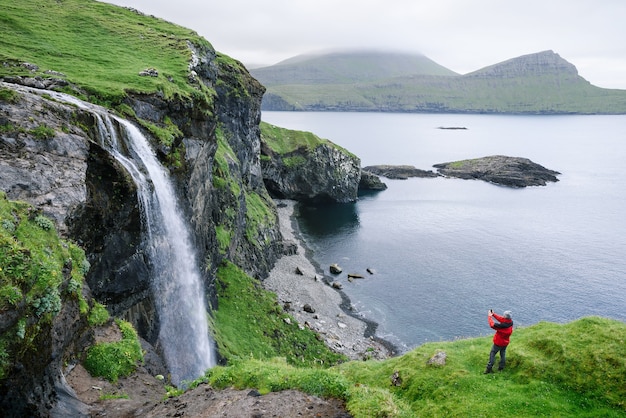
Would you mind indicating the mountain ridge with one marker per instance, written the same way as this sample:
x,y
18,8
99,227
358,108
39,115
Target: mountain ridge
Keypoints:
x,y
541,62
538,83
348,66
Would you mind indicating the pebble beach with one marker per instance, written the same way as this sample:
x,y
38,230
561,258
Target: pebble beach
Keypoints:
x,y
299,283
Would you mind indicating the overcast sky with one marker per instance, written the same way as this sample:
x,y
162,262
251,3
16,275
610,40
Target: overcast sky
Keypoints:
x,y
462,35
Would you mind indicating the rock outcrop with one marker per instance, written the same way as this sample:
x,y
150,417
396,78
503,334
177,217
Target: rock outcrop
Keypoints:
x,y
43,155
319,173
370,182
498,169
401,172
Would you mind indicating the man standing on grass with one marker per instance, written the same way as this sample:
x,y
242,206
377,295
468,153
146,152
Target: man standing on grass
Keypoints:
x,y
504,329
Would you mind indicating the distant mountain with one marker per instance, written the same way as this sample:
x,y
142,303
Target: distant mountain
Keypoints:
x,y
347,67
540,83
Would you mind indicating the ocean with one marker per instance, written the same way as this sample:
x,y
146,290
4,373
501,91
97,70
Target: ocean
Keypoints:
x,y
445,251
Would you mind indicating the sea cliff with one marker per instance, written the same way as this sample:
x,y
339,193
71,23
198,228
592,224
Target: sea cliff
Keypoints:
x,y
205,130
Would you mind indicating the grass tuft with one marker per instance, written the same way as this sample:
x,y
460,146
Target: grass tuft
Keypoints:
x,y
115,359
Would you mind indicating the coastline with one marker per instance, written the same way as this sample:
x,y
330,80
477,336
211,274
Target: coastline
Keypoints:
x,y
298,282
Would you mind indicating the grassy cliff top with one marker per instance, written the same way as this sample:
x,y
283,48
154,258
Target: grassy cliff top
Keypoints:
x,y
99,47
565,370
284,141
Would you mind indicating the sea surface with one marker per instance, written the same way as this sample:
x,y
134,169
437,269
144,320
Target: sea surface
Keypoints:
x,y
445,251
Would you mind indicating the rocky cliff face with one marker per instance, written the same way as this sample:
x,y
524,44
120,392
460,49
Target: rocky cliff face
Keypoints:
x,y
49,158
301,166
322,174
43,154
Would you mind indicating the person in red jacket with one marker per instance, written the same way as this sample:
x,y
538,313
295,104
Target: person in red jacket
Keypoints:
x,y
504,329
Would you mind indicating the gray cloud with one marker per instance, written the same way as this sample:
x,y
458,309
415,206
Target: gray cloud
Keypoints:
x,y
463,35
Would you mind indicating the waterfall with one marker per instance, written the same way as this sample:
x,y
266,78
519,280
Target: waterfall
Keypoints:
x,y
176,280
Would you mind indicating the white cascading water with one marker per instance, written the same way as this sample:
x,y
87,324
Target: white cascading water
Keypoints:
x,y
176,283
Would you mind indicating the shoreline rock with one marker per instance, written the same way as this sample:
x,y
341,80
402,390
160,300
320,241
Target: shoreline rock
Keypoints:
x,y
506,171
399,172
513,172
332,319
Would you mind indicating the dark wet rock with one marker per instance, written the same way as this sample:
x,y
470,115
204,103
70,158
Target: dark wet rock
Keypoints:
x,y
290,248
370,181
335,269
396,380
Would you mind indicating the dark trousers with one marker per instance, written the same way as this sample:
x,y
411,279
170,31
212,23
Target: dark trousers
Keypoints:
x,y
492,356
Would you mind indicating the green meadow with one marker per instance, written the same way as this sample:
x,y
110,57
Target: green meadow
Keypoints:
x,y
98,47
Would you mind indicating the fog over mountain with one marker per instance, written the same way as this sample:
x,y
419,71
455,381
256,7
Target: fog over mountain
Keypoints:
x,y
461,35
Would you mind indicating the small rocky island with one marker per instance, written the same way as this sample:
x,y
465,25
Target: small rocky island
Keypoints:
x,y
499,169
506,171
398,172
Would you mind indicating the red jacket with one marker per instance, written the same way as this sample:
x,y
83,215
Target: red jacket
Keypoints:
x,y
504,329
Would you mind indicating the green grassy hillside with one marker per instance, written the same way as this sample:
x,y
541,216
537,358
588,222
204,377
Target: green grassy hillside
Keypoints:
x,y
541,83
99,47
572,370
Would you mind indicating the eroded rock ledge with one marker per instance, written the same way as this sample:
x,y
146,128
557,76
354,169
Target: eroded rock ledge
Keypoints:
x,y
499,169
398,172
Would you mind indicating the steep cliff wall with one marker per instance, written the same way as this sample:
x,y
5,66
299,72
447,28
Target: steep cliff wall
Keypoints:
x,y
49,158
301,166
215,161
93,200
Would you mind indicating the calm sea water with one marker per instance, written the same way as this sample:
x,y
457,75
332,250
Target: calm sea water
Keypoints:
x,y
444,251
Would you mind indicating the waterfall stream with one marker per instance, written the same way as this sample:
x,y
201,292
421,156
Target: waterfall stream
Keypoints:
x,y
176,280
